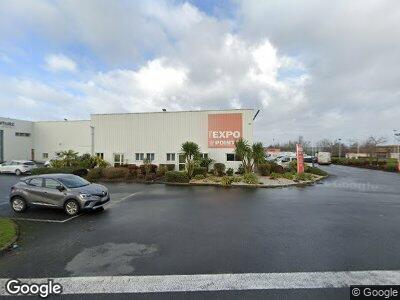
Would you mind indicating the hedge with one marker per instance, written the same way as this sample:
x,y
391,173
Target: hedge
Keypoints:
x,y
170,167
200,171
176,176
94,174
40,171
115,173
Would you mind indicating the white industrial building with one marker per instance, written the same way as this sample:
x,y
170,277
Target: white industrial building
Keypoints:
x,y
129,138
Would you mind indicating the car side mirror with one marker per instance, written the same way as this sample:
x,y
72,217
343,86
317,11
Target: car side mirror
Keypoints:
x,y
60,188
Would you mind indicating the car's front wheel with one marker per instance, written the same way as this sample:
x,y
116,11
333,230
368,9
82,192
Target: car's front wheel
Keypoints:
x,y
71,207
18,172
18,204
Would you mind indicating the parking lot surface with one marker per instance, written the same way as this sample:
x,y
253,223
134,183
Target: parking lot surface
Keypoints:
x,y
349,222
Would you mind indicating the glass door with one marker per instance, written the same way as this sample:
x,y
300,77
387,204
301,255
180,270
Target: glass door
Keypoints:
x,y
181,162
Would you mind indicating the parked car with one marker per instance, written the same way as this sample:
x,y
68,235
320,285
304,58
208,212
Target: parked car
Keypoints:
x,y
65,191
285,161
17,167
310,159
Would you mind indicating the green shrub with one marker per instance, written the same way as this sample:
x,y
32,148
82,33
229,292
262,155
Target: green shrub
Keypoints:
x,y
214,178
219,169
150,177
169,167
199,177
237,179
176,176
229,172
250,178
94,174
226,181
39,171
303,177
264,169
199,171
162,169
80,172
391,165
315,171
240,170
288,175
115,173
205,162
275,168
148,168
293,166
275,175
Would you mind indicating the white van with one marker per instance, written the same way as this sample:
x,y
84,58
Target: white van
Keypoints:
x,y
324,158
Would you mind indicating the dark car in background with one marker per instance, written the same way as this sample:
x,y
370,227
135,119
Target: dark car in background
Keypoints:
x,y
64,191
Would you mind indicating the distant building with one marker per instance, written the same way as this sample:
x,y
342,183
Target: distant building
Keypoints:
x,y
356,155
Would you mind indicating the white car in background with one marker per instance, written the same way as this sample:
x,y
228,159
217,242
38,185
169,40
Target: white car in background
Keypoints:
x,y
17,167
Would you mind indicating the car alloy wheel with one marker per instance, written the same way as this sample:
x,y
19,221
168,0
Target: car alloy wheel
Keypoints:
x,y
71,208
18,204
17,172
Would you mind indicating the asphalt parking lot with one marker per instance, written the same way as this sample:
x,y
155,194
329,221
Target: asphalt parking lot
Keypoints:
x,y
349,222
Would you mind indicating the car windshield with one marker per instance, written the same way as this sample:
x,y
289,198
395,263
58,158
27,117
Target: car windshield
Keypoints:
x,y
73,181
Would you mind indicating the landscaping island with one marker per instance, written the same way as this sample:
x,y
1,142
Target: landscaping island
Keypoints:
x,y
8,233
253,171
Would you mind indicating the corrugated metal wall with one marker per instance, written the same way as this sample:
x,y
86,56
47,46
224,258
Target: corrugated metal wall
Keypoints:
x,y
160,133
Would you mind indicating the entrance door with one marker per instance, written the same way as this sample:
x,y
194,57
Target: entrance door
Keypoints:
x,y
1,146
32,154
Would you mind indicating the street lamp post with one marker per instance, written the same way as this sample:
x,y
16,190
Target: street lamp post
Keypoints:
x,y
340,148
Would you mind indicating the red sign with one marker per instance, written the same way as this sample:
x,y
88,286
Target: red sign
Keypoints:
x,y
224,130
300,159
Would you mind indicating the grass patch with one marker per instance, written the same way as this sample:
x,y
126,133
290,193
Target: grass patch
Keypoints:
x,y
8,232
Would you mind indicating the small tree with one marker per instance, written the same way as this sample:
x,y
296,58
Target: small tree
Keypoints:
x,y
258,153
191,152
249,155
67,158
243,151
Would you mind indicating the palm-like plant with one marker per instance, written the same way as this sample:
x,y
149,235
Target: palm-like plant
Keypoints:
x,y
68,158
249,155
243,152
258,153
191,151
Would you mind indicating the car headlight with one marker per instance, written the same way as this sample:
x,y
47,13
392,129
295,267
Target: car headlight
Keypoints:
x,y
85,196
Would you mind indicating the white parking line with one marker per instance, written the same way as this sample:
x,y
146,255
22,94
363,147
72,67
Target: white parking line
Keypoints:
x,y
217,282
112,203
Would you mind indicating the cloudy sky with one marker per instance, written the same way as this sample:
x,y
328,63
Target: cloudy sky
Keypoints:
x,y
320,69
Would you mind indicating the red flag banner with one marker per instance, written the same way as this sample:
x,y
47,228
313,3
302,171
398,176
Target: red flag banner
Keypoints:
x,y
300,159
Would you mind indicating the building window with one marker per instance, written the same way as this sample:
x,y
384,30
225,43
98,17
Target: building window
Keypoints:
x,y
204,155
231,157
45,155
25,134
100,155
118,159
139,156
170,156
150,156
182,162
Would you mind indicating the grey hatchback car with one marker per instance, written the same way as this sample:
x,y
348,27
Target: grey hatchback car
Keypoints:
x,y
69,192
